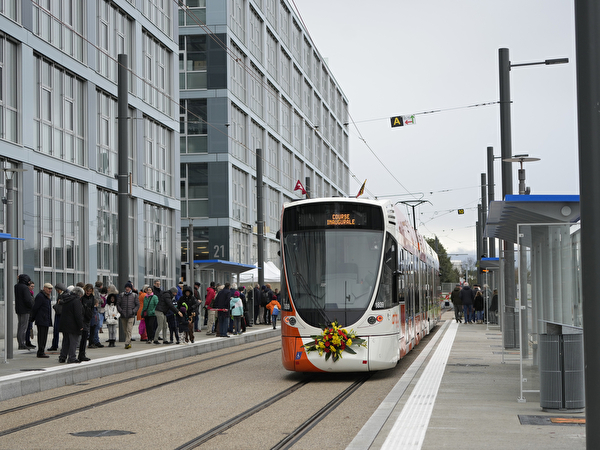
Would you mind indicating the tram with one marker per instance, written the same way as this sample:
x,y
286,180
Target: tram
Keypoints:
x,y
359,264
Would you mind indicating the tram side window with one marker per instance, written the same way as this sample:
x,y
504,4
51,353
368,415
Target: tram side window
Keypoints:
x,y
387,289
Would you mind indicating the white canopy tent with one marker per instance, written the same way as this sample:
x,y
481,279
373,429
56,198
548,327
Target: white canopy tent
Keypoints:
x,y
272,274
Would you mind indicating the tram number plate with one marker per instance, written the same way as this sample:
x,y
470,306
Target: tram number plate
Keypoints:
x,y
379,305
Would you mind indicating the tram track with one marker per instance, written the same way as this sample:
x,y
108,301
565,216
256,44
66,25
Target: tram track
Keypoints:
x,y
117,398
127,380
293,437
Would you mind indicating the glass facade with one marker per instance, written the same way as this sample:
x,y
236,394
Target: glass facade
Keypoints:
x,y
59,127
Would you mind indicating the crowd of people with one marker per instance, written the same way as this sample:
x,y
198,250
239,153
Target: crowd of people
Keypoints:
x,y
171,316
469,304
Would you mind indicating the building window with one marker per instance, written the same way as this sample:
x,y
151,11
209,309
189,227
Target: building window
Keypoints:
x,y
256,33
284,23
107,136
192,13
159,251
238,18
11,9
272,96
158,160
107,235
256,91
61,24
59,113
286,169
239,137
59,224
156,74
159,13
194,190
113,38
192,62
273,159
9,91
240,195
272,53
238,72
193,120
274,210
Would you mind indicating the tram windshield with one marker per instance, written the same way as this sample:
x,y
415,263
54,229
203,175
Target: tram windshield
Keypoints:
x,y
332,271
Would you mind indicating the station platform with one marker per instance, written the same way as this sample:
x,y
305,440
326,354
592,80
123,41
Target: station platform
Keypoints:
x,y
460,392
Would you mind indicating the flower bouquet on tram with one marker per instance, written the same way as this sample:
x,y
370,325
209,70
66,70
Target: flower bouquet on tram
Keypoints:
x,y
333,341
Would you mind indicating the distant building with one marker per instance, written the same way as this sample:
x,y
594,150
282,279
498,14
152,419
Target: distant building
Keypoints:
x,y
58,121
251,77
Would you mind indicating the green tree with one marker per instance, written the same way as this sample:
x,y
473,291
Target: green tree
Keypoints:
x,y
448,274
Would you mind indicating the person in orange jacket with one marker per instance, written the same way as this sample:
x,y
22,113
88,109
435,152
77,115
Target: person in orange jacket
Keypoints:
x,y
274,308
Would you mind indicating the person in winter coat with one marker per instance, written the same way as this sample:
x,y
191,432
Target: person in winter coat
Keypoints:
x,y
478,306
198,320
41,314
111,315
457,302
221,303
150,303
61,291
191,305
71,325
87,303
165,303
23,306
467,296
274,308
128,304
211,293
237,311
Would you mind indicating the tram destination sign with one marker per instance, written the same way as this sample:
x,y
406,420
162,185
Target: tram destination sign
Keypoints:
x,y
333,215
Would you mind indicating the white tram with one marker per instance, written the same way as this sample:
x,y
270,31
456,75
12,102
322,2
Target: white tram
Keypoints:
x,y
360,263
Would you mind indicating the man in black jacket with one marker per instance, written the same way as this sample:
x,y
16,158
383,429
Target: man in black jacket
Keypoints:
x,y
71,325
23,306
41,313
165,303
221,302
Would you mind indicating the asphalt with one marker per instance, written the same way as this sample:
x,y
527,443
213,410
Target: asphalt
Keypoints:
x,y
462,391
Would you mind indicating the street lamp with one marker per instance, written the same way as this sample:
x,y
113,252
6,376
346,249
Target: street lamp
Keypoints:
x,y
523,190
507,184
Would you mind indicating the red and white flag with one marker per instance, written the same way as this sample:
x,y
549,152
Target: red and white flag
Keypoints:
x,y
299,186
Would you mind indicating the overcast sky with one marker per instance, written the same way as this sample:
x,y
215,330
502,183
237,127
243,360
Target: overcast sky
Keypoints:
x,y
395,57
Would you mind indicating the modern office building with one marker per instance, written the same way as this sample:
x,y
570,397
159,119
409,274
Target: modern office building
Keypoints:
x,y
251,78
58,123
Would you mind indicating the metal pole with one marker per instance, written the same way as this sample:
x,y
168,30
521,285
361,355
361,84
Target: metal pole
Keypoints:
x,y
260,218
490,185
484,208
587,36
8,267
510,337
123,176
191,280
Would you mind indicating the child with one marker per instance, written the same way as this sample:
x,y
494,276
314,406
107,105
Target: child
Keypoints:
x,y
112,318
237,311
184,322
274,307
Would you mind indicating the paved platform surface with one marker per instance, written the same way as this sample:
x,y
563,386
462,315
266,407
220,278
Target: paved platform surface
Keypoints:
x,y
462,391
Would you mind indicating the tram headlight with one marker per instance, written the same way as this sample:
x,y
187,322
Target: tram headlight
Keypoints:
x,y
372,320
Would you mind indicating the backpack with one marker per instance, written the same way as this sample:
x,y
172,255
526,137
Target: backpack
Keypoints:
x,y
264,298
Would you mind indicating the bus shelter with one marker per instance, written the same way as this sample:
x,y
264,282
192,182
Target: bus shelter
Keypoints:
x,y
546,231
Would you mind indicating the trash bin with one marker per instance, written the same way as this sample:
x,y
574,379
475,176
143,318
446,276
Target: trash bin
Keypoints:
x,y
561,368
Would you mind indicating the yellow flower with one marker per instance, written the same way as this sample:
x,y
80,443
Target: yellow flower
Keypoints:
x,y
321,345
349,342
